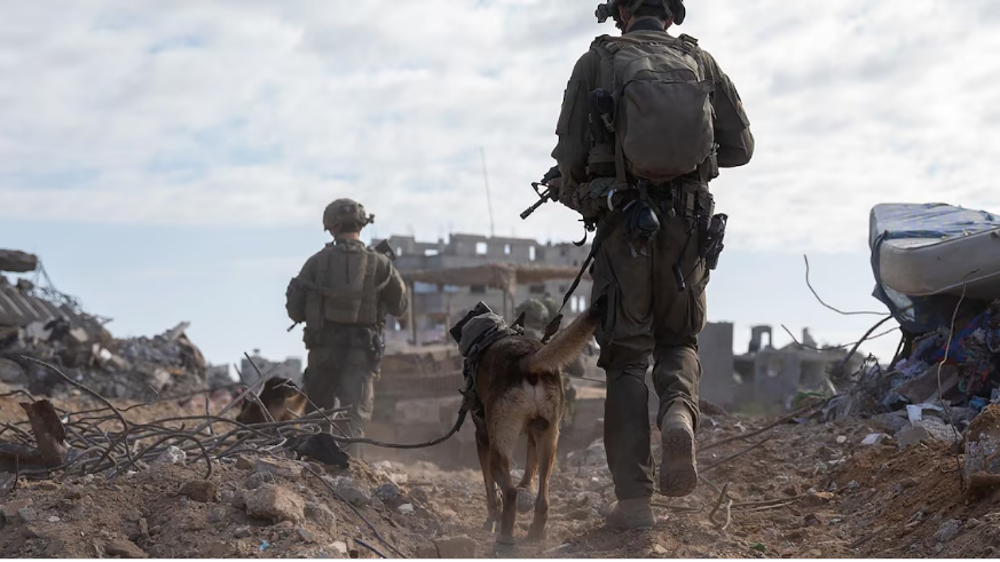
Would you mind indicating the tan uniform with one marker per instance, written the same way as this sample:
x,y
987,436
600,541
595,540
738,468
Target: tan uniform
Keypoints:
x,y
648,315
342,294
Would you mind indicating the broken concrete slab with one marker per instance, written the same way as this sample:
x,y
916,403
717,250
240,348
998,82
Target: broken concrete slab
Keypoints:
x,y
913,435
16,261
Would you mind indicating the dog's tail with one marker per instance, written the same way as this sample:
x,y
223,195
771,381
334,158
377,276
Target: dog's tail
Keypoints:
x,y
567,344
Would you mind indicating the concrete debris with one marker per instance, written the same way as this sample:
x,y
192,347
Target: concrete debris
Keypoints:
x,y
284,469
911,436
12,509
16,261
388,493
356,493
457,547
173,455
275,503
340,547
406,509
321,515
982,445
873,439
948,530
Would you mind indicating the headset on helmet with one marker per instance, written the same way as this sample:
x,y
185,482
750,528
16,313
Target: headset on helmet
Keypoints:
x,y
608,9
346,211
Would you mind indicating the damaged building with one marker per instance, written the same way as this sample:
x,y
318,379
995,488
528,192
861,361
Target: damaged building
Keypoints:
x,y
40,322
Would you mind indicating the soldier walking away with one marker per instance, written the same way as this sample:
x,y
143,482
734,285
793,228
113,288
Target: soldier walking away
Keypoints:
x,y
342,294
646,122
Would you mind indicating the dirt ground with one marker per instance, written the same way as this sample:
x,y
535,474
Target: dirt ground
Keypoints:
x,y
812,490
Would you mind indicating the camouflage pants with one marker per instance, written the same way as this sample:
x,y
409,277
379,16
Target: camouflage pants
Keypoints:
x,y
647,316
346,374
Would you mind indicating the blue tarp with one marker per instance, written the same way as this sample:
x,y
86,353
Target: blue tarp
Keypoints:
x,y
893,221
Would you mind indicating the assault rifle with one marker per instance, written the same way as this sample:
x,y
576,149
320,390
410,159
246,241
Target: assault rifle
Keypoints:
x,y
383,247
543,196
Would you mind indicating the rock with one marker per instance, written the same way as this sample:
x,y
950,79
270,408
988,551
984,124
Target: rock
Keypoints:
x,y
939,429
659,550
28,514
341,547
12,509
202,491
241,532
388,493
792,490
276,504
245,463
815,553
321,515
285,469
406,509
853,485
813,519
972,523
912,435
982,445
873,439
948,530
892,422
54,519
355,493
306,535
11,372
258,479
457,547
218,515
841,439
124,549
173,455
908,482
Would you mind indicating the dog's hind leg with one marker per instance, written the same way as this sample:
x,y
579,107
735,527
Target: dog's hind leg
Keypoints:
x,y
492,499
547,441
525,499
503,438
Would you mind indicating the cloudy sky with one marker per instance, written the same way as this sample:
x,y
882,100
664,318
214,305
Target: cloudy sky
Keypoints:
x,y
170,161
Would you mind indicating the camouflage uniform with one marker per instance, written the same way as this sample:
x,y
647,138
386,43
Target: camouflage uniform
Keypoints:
x,y
342,294
536,317
648,315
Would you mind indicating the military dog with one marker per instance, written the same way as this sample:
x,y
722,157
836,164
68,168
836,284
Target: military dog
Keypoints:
x,y
519,384
280,397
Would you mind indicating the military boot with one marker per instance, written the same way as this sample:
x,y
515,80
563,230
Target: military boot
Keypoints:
x,y
678,467
631,514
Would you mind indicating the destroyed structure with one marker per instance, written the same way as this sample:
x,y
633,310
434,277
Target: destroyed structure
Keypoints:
x,y
497,273
39,322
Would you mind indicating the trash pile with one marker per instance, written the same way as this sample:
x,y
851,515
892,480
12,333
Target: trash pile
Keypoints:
x,y
49,326
942,292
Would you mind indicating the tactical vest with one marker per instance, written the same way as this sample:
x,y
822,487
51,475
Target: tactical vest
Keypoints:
x,y
346,291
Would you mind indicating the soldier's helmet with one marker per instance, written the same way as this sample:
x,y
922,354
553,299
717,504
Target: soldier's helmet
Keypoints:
x,y
610,9
536,314
345,212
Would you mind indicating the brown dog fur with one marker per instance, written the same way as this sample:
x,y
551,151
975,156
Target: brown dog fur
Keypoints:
x,y
520,385
282,399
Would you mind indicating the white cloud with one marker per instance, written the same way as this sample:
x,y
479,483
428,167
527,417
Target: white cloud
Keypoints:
x,y
206,113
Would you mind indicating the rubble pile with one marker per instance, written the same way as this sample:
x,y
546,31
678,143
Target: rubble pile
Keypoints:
x,y
48,326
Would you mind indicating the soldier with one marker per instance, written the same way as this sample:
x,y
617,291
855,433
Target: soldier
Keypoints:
x,y
342,294
635,154
536,318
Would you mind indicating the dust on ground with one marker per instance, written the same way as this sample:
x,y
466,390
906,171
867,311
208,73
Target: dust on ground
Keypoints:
x,y
811,490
